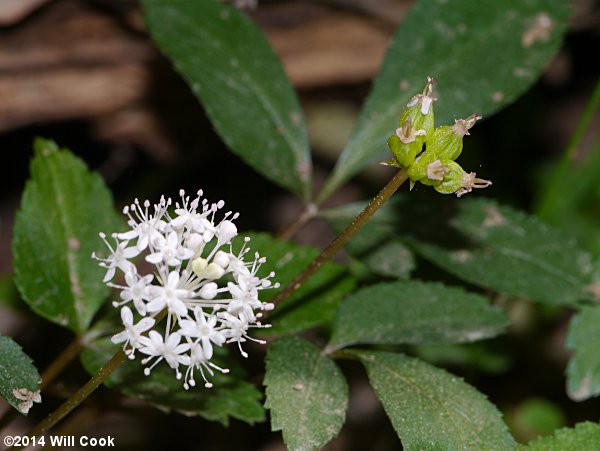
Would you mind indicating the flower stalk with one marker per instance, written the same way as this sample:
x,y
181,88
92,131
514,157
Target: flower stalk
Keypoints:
x,y
65,408
386,192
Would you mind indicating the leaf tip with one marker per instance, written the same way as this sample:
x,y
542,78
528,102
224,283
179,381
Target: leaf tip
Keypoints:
x,y
584,391
44,147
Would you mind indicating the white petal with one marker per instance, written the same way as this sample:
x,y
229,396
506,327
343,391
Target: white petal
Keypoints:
x,y
142,242
127,235
120,337
181,220
207,348
154,258
144,324
173,279
130,252
109,274
126,316
156,305
155,338
178,307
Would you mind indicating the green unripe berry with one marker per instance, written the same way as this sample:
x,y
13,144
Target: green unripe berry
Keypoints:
x,y
420,110
427,169
456,180
406,143
447,141
453,179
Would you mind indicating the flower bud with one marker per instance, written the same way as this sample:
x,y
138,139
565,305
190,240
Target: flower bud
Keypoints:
x,y
447,141
205,270
213,271
227,232
208,291
199,264
221,258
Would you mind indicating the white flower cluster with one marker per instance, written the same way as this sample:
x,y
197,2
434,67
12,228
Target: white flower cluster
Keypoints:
x,y
209,294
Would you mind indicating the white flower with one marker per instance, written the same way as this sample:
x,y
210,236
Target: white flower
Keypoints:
x,y
144,226
205,330
244,298
132,333
119,258
170,296
168,250
200,362
210,297
236,329
186,213
137,290
169,349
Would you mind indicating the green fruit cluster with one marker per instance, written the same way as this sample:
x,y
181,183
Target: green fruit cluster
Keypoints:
x,y
428,153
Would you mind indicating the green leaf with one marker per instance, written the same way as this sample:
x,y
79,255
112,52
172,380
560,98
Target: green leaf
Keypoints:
x,y
306,394
489,245
316,302
497,247
431,409
379,254
230,67
585,436
63,209
583,371
482,57
477,357
415,313
392,260
19,378
230,396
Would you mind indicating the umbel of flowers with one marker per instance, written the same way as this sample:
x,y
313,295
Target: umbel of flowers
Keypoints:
x,y
434,166
209,293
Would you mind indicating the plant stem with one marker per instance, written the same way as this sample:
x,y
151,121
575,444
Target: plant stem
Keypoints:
x,y
545,205
79,396
65,408
59,364
386,192
290,230
583,123
346,354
